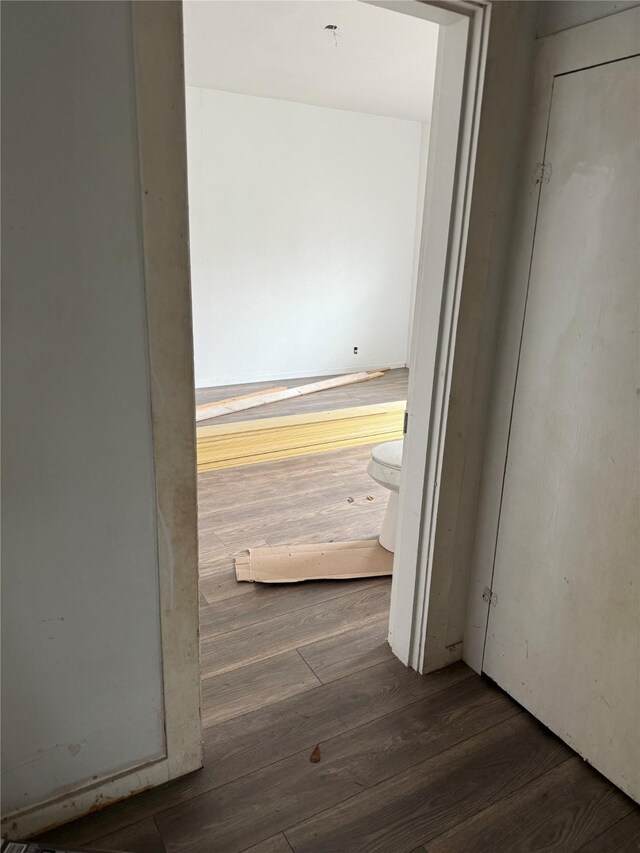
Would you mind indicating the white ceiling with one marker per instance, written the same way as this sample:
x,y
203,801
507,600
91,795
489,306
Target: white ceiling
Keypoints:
x,y
384,62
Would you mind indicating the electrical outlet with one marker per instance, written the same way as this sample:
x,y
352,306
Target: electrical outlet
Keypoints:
x,y
355,350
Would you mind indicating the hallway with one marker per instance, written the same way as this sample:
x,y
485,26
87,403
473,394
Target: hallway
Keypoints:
x,y
444,763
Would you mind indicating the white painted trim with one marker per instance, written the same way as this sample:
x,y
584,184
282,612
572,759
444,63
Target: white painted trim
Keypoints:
x,y
592,43
160,94
454,130
157,50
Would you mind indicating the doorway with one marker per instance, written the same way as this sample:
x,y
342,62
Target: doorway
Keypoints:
x,y
232,135
462,45
307,157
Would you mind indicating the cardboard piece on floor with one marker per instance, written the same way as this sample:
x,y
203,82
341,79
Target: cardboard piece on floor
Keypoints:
x,y
215,411
324,561
205,407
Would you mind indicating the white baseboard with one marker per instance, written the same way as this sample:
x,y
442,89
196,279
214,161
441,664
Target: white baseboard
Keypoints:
x,y
300,374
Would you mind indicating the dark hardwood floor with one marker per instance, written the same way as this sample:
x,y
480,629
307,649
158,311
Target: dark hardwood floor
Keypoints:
x,y
445,763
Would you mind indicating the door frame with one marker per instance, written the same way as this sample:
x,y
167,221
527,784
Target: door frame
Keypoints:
x,y
157,50
418,606
160,94
594,43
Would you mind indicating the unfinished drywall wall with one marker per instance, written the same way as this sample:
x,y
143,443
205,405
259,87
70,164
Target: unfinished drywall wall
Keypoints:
x,y
557,15
302,225
81,655
509,328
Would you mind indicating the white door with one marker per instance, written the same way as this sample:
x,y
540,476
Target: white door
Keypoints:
x,y
563,635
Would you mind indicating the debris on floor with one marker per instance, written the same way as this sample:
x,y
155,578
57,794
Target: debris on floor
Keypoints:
x,y
325,561
250,401
203,408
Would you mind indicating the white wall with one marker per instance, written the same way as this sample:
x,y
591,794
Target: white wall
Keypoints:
x,y
302,226
81,658
422,188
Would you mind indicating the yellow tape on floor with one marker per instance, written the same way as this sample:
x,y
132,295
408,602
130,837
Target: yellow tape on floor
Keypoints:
x,y
269,439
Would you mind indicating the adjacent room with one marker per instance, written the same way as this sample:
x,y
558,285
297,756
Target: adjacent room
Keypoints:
x,y
308,133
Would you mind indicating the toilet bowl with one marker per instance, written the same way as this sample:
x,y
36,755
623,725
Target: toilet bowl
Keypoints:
x,y
384,468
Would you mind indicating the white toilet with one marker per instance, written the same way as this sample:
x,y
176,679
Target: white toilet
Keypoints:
x,y
384,468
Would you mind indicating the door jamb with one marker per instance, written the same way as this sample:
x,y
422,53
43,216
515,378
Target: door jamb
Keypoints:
x,y
161,127
418,612
156,45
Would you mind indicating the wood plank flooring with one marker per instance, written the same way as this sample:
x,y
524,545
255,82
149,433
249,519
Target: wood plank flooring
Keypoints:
x,y
392,386
445,763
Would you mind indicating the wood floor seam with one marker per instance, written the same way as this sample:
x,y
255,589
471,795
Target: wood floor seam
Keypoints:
x,y
93,838
588,846
153,818
349,730
414,688
302,751
582,791
487,808
338,594
267,656
311,670
326,683
605,831
262,841
252,688
386,783
389,778
445,760
417,699
215,601
517,711
99,836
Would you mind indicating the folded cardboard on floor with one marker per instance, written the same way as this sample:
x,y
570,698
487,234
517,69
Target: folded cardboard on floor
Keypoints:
x,y
322,561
